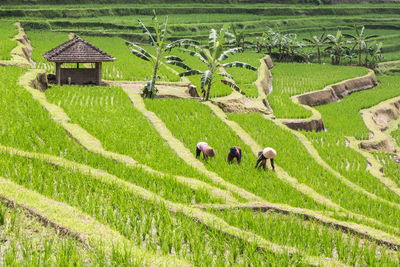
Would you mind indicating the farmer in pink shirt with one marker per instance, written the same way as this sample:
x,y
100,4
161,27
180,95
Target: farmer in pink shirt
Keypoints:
x,y
206,149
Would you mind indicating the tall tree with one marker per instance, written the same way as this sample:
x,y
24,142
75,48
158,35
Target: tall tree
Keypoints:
x,y
159,41
317,42
360,39
213,57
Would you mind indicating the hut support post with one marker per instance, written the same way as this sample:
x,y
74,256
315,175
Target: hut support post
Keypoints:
x,y
98,70
58,72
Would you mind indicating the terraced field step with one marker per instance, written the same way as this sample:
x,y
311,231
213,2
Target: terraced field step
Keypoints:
x,y
196,214
356,229
285,177
73,222
314,153
181,150
92,144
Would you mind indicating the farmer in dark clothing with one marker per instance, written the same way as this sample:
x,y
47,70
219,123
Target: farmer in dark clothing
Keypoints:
x,y
206,149
267,153
235,152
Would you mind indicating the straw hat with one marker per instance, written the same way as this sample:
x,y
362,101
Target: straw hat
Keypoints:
x,y
269,153
209,151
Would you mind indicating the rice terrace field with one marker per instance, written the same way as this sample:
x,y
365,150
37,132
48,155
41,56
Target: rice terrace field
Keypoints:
x,y
103,105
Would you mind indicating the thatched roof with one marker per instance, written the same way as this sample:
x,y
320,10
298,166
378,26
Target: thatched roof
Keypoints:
x,y
77,50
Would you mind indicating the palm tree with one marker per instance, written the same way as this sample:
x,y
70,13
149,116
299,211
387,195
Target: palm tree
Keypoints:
x,y
337,46
159,42
317,42
360,40
212,57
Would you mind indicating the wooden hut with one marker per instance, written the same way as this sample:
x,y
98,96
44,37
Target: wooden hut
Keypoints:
x,y
77,51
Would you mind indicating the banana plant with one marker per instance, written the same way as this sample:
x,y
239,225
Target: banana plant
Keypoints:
x,y
337,45
360,41
317,42
238,38
213,57
375,51
159,41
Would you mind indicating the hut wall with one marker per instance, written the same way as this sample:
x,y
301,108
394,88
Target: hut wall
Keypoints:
x,y
79,76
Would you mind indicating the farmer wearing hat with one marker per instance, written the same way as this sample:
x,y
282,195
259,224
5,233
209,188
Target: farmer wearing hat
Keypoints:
x,y
267,153
206,149
235,152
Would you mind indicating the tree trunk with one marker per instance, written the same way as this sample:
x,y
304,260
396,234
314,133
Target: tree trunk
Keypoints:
x,y
155,72
319,55
359,57
366,59
208,91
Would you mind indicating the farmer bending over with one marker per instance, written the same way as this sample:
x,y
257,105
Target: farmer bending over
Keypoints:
x,y
206,149
235,152
267,153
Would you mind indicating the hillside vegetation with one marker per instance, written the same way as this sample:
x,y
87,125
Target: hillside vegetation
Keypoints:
x,y
101,175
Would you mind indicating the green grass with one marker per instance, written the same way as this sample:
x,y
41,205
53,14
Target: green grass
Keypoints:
x,y
293,158
291,79
126,67
192,122
149,225
391,167
26,126
310,237
27,242
8,31
332,145
123,129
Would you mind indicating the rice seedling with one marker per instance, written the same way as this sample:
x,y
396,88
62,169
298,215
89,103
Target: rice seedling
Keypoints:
x,y
310,237
390,164
8,31
192,122
149,225
25,242
291,79
25,125
332,144
123,129
294,158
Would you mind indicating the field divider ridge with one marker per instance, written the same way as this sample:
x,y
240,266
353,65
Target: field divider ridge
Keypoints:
x,y
71,221
197,214
181,150
281,174
20,55
313,152
93,145
333,93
